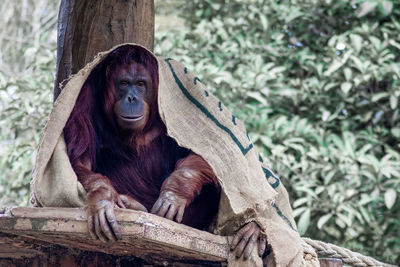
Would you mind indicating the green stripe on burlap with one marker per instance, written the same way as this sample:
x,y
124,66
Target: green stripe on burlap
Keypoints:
x,y
205,111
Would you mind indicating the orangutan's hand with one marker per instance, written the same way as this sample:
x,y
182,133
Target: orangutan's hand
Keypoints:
x,y
170,205
246,240
102,223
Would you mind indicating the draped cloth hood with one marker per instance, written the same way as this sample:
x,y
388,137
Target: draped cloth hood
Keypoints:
x,y
200,122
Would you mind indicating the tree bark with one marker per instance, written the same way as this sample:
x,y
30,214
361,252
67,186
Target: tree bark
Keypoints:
x,y
87,27
26,232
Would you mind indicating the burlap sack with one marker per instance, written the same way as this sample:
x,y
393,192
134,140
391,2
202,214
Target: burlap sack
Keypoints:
x,y
198,121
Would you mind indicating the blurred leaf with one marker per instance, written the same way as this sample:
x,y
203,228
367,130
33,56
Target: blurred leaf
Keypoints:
x,y
385,7
347,73
356,41
365,8
393,101
299,202
390,198
379,96
298,211
323,219
333,67
257,96
346,87
396,132
304,222
264,21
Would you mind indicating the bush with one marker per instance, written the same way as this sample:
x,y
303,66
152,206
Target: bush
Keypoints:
x,y
317,83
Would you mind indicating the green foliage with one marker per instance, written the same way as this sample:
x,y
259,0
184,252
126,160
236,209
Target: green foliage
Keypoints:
x,y
27,57
317,84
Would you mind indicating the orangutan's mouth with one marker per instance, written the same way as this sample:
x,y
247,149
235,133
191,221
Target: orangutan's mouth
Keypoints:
x,y
131,118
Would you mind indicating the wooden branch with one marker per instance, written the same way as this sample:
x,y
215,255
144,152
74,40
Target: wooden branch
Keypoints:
x,y
61,235
145,235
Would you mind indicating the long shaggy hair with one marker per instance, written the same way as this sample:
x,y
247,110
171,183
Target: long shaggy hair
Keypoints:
x,y
134,167
91,132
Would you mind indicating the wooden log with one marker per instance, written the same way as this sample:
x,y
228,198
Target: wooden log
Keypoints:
x,y
21,251
59,237
147,236
91,26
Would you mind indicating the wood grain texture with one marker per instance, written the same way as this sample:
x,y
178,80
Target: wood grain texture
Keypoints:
x,y
58,236
145,235
91,26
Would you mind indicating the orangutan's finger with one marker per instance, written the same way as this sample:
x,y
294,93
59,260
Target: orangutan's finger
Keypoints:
x,y
105,228
251,244
164,209
156,206
243,243
239,235
112,221
179,215
120,203
171,212
262,245
97,228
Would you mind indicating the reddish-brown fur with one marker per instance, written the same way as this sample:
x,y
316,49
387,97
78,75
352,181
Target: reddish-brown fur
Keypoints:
x,y
138,164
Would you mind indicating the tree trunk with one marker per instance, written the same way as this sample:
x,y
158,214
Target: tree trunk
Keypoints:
x,y
86,27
